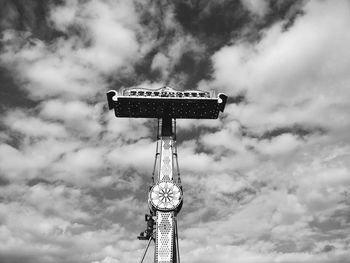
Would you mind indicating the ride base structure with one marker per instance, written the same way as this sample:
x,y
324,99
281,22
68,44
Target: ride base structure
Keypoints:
x,y
165,197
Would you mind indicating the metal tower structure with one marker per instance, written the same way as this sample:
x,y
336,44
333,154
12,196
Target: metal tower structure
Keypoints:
x,y
165,196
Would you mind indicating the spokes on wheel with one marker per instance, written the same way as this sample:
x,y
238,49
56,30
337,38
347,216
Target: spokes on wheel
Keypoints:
x,y
168,195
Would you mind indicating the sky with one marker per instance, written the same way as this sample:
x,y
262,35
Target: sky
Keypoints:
x,y
266,182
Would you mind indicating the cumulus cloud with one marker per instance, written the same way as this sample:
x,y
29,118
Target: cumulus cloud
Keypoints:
x,y
75,66
77,116
298,72
32,126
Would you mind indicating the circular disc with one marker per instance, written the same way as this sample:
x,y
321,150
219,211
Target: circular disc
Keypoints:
x,y
165,196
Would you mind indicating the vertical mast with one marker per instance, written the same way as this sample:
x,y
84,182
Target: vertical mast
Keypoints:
x,y
167,142
164,192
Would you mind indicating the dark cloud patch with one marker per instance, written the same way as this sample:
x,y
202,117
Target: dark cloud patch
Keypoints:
x,y
152,15
209,214
327,226
196,68
116,192
143,71
184,135
287,10
124,185
153,19
287,246
328,248
30,16
298,130
14,138
8,257
343,215
214,23
11,94
221,22
152,125
244,195
109,193
240,98
36,181
4,181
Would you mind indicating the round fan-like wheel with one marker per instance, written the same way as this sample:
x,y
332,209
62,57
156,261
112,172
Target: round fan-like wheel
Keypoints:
x,y
165,196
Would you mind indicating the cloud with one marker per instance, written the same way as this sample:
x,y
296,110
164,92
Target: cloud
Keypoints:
x,y
31,160
80,165
106,42
44,73
28,125
294,75
107,260
142,155
160,61
77,116
279,145
259,8
168,60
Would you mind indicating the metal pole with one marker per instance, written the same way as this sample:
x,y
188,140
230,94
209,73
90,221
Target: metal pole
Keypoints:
x,y
177,242
144,253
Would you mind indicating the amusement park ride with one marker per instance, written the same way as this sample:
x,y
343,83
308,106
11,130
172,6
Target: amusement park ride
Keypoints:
x,y
165,196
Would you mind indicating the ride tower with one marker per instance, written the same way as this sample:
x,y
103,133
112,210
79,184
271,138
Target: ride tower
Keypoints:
x,y
165,196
